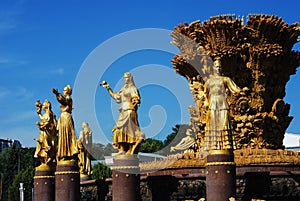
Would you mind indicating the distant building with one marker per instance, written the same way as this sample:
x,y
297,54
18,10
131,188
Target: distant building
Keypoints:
x,y
8,143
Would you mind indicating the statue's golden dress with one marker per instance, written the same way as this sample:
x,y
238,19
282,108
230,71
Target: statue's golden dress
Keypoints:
x,y
218,130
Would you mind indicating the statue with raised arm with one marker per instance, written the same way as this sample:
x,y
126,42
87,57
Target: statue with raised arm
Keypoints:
x,y
127,134
67,148
218,134
46,147
84,143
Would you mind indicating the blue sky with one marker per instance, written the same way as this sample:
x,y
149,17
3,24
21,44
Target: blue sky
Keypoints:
x,y
48,44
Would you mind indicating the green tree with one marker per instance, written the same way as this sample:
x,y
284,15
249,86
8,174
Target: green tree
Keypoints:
x,y
12,161
151,145
25,177
178,132
101,171
171,136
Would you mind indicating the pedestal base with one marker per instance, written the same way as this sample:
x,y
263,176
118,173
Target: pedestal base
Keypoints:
x,y
84,177
67,181
220,175
126,178
44,186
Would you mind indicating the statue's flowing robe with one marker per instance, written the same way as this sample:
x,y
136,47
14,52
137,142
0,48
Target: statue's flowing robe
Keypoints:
x,y
66,134
127,129
218,134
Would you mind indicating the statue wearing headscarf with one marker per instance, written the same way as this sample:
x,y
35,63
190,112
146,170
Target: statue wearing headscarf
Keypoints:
x,y
127,134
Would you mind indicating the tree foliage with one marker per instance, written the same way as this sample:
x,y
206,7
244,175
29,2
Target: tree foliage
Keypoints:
x,y
101,171
151,145
12,161
171,136
178,131
25,177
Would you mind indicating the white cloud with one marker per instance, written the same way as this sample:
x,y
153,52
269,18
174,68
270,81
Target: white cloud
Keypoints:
x,y
4,92
7,20
58,71
10,15
6,24
23,94
19,117
3,60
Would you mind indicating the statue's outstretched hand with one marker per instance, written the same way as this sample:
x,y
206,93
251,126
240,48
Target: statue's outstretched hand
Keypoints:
x,y
104,84
55,91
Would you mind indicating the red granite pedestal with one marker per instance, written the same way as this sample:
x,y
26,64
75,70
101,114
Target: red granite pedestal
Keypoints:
x,y
67,181
220,175
44,183
126,178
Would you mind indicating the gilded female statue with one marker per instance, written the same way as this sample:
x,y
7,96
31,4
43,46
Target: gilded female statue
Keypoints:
x,y
67,148
218,133
45,149
84,143
127,134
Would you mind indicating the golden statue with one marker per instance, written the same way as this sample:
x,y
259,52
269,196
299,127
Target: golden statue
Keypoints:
x,y
127,134
84,143
67,148
46,147
263,64
218,134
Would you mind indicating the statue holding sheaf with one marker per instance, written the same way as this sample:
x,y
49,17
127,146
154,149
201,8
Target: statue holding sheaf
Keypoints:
x,y
127,134
46,147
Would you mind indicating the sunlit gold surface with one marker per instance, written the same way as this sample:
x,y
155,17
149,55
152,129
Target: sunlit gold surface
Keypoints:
x,y
67,162
253,56
218,130
46,147
44,167
215,152
67,147
84,143
127,134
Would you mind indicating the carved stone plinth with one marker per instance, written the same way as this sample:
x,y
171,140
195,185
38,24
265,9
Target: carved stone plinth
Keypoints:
x,y
67,181
220,175
44,186
126,178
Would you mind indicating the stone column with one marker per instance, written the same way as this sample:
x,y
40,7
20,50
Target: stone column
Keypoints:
x,y
44,183
220,175
67,181
126,178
